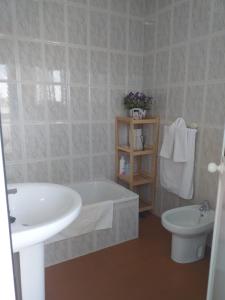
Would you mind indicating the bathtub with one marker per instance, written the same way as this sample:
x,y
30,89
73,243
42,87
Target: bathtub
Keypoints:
x,y
96,195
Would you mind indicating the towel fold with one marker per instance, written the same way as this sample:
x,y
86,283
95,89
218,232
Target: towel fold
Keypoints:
x,y
92,217
177,170
168,142
180,141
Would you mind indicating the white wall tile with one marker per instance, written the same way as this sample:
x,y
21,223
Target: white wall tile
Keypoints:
x,y
31,61
119,6
12,138
99,68
217,61
55,63
149,37
81,169
15,173
135,70
136,35
7,60
175,103
66,71
9,105
103,4
59,139
180,22
35,141
194,104
100,167
137,8
57,102
118,69
77,25
163,29
118,34
6,16
99,104
197,60
54,23
60,171
99,138
163,3
33,96
80,139
218,15
178,65
116,103
98,29
28,19
37,172
79,103
200,17
78,66
215,105
162,64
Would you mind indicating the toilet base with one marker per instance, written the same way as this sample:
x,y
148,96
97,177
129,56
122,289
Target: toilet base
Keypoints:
x,y
187,249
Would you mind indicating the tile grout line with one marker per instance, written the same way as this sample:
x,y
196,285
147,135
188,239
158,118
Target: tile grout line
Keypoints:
x,y
19,90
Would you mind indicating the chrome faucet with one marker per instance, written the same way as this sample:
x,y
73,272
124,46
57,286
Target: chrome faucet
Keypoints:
x,y
9,192
12,191
204,207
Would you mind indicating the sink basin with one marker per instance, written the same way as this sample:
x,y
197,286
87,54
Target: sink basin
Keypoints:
x,y
41,211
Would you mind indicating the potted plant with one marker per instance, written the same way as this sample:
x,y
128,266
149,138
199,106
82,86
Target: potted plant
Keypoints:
x,y
138,104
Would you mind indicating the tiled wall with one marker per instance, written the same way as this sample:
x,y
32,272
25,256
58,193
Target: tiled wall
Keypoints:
x,y
64,68
66,64
124,228
184,68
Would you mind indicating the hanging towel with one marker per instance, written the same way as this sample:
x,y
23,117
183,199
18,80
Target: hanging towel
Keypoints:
x,y
177,177
180,141
168,142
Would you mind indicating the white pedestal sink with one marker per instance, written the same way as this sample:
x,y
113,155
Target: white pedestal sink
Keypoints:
x,y
41,211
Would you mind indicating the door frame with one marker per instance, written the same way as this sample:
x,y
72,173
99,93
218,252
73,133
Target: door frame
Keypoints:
x,y
7,282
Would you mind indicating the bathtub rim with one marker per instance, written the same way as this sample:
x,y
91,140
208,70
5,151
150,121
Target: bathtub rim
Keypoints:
x,y
132,195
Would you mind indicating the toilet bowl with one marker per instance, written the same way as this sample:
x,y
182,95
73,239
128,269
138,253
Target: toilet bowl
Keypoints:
x,y
189,227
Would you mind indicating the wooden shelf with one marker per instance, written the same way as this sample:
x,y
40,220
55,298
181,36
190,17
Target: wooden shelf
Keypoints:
x,y
147,151
150,120
143,170
144,205
138,179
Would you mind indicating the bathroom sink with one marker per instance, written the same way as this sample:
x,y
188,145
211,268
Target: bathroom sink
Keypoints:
x,y
41,211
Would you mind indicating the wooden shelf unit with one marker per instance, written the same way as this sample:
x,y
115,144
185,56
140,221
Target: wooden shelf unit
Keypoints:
x,y
139,177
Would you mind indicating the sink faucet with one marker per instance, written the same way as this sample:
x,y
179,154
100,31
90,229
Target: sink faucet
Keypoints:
x,y
12,191
204,207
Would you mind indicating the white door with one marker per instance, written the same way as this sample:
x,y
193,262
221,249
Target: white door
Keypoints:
x,y
216,283
7,287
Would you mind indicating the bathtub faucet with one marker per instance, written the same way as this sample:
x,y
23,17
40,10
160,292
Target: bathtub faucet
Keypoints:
x,y
204,206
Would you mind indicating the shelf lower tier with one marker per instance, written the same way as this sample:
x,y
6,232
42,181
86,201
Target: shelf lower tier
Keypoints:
x,y
147,151
137,179
145,206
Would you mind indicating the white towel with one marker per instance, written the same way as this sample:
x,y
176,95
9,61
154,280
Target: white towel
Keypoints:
x,y
177,177
168,142
92,217
180,141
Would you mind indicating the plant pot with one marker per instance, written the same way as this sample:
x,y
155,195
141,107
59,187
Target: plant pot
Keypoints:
x,y
137,113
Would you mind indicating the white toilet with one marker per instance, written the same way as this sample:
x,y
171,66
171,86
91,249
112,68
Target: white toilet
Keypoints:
x,y
189,226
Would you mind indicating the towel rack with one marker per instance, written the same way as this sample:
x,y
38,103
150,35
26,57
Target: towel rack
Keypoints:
x,y
192,125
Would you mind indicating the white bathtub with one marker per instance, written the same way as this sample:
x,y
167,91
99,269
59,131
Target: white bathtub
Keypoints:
x,y
88,234
99,191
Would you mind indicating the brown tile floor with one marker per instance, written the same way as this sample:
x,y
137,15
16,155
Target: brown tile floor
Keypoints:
x,y
136,270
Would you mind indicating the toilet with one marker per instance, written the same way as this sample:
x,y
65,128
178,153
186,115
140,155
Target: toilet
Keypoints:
x,y
189,227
